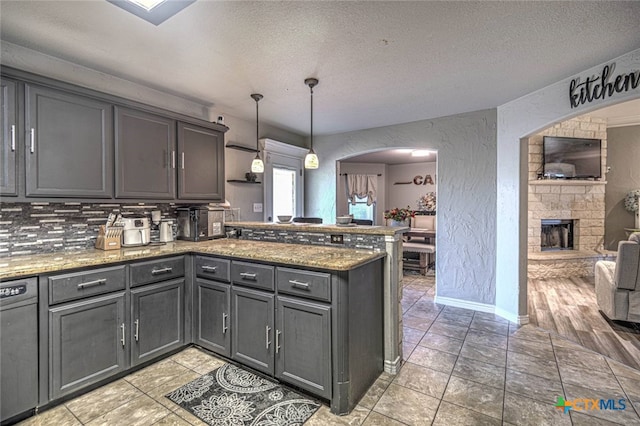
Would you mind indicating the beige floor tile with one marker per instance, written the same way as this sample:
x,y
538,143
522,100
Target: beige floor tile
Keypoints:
x,y
172,420
480,372
441,343
198,360
474,396
407,406
57,416
376,419
495,356
188,417
102,400
324,417
528,412
454,415
158,393
139,412
156,374
431,358
417,322
374,393
422,379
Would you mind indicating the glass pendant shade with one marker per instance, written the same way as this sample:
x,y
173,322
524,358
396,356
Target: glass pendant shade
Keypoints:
x,y
311,160
257,166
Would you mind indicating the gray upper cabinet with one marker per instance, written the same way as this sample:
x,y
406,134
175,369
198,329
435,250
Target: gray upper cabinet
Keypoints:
x,y
69,144
146,155
9,142
201,168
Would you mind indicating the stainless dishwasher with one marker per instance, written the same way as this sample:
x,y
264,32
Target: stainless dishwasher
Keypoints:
x,y
18,347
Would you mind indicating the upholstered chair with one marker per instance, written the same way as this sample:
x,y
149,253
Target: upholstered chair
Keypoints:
x,y
618,283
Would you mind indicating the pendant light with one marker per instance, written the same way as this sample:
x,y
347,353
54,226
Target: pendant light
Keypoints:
x,y
311,159
257,166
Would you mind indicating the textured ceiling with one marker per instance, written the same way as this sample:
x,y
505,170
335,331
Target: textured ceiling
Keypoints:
x,y
379,63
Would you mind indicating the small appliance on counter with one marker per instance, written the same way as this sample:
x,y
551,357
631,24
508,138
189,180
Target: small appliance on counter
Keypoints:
x,y
136,230
166,231
198,223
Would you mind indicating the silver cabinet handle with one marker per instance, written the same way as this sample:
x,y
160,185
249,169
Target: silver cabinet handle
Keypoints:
x,y
248,276
278,333
299,284
137,323
267,341
32,147
88,284
122,340
224,323
13,137
161,271
209,268
182,160
173,159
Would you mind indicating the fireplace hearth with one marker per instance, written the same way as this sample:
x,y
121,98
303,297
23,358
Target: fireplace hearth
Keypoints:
x,y
556,234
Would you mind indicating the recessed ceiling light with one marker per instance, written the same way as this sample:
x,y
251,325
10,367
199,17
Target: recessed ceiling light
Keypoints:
x,y
154,11
146,4
420,153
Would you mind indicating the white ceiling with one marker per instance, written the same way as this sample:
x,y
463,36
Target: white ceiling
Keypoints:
x,y
379,63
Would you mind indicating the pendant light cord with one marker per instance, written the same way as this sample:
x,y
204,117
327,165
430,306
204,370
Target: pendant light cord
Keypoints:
x,y
311,87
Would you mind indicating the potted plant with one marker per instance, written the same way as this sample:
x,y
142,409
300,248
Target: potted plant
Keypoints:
x,y
399,216
631,204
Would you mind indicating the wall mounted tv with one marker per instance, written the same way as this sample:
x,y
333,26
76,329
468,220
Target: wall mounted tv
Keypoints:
x,y
571,158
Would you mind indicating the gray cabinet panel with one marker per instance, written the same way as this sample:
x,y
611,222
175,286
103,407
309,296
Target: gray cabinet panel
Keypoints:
x,y
146,156
157,320
9,143
212,321
252,328
252,275
156,270
87,343
201,168
307,284
303,344
213,269
80,285
69,145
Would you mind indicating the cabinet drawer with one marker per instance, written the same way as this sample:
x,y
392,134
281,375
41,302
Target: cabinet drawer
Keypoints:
x,y
156,270
252,275
213,269
78,285
313,285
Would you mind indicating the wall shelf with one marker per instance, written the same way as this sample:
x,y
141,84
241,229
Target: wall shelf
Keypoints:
x,y
241,148
242,181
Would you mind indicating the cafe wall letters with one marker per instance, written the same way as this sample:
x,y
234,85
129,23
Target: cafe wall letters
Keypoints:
x,y
419,180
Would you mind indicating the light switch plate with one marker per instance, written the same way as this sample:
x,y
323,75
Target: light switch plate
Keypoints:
x,y
257,207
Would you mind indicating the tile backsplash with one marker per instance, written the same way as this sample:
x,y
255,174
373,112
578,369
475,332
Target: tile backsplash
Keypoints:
x,y
42,227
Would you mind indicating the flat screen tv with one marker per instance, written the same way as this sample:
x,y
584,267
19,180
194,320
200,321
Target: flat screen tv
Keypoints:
x,y
571,158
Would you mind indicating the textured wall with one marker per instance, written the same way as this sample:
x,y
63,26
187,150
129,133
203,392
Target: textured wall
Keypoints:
x,y
624,159
466,192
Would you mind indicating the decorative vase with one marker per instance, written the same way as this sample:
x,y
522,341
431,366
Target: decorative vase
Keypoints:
x,y
397,222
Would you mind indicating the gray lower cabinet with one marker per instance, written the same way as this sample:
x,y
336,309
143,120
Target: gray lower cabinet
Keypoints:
x,y
303,344
87,342
201,168
157,319
211,310
9,143
252,322
145,155
69,144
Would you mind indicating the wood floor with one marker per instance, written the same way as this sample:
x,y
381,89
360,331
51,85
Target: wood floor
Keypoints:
x,y
568,307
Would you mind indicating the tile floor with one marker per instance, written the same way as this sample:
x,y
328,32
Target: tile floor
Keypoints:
x,y
462,368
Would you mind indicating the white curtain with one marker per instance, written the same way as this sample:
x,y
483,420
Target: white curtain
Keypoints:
x,y
362,186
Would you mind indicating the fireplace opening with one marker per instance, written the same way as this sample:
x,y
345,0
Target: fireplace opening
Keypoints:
x,y
556,234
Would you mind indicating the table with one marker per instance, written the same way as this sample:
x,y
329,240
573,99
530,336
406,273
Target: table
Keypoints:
x,y
429,236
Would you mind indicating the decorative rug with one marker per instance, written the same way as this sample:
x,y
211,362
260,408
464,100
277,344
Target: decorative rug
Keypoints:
x,y
230,396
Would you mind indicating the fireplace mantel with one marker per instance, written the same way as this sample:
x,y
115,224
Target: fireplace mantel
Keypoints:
x,y
566,182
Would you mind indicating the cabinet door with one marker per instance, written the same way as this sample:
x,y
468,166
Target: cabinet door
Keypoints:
x,y
69,145
157,320
201,171
252,328
9,142
211,313
303,344
87,342
146,156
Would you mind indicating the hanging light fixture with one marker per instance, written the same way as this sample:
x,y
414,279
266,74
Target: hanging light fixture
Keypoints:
x,y
257,166
311,159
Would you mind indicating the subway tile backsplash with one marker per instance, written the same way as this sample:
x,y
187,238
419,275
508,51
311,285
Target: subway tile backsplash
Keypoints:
x,y
42,227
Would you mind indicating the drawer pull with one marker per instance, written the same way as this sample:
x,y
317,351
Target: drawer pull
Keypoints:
x,y
299,284
13,137
161,271
248,276
267,341
122,340
89,284
224,323
137,323
32,145
208,268
278,333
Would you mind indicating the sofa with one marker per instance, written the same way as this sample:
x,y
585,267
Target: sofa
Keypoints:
x,y
618,283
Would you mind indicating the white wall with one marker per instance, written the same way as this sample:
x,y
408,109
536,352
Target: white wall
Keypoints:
x,y
466,185
408,195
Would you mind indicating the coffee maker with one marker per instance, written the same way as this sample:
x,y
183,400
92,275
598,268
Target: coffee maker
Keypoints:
x,y
198,223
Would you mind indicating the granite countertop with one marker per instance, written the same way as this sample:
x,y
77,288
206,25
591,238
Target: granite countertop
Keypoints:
x,y
337,259
322,228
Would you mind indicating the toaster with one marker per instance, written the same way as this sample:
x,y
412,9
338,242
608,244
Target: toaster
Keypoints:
x,y
197,223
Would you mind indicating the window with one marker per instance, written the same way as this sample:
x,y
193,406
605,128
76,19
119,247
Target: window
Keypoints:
x,y
361,210
284,191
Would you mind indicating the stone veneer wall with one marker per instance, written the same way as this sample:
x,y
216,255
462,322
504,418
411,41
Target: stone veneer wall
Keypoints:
x,y
581,200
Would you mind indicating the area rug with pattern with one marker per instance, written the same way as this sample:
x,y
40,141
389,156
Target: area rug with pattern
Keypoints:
x,y
230,395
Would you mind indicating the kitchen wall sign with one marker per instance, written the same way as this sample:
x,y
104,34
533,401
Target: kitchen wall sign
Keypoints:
x,y
418,180
601,86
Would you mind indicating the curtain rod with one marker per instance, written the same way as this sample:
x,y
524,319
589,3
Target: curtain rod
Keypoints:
x,y
346,174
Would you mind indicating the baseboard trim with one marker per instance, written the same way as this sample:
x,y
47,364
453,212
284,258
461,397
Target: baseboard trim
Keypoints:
x,y
458,303
392,367
518,319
